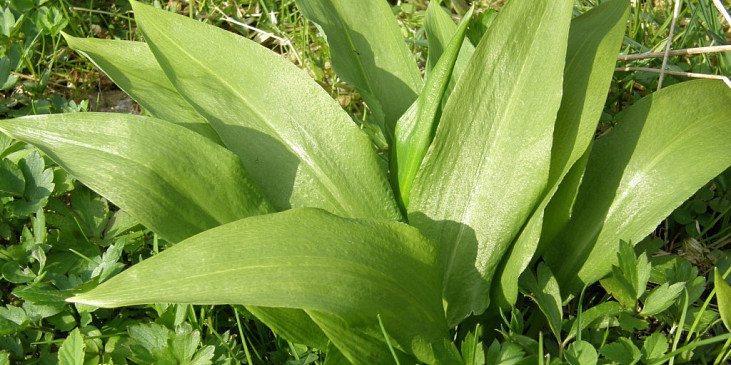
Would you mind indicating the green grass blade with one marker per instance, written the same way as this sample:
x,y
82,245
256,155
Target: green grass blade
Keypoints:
x,y
134,69
369,52
297,143
174,181
488,165
664,149
415,129
594,41
352,270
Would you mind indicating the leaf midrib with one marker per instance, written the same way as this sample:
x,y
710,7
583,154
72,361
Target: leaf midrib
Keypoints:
x,y
303,156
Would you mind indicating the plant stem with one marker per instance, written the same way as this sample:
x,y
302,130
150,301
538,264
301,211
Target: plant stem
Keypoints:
x,y
676,52
669,44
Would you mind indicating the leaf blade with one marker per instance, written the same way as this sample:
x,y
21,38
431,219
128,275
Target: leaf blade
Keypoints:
x,y
134,69
174,181
353,269
668,133
369,52
415,129
253,99
447,202
593,44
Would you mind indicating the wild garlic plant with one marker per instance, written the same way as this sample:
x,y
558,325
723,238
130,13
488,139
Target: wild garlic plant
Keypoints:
x,y
278,200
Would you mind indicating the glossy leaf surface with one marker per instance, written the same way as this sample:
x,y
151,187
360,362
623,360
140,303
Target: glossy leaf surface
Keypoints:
x,y
440,29
303,258
369,52
593,45
301,151
174,181
134,69
415,129
626,190
473,196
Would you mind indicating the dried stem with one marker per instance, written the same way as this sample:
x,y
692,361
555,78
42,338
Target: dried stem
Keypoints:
x,y
676,73
676,52
669,44
722,10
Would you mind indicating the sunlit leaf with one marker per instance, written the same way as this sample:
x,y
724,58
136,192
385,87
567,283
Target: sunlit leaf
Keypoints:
x,y
473,196
593,44
415,129
174,181
343,272
134,69
300,151
626,191
369,52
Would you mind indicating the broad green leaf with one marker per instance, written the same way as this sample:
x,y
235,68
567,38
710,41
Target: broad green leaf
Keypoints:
x,y
293,324
415,129
369,52
661,298
38,185
723,296
634,269
654,347
473,352
581,353
174,181
544,290
11,178
306,258
299,146
440,30
623,352
71,351
473,196
334,356
361,345
593,44
594,314
134,69
649,164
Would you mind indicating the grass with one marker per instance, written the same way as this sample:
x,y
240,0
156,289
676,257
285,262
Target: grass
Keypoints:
x,y
71,237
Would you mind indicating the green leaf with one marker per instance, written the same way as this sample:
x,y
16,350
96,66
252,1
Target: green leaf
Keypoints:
x,y
440,30
661,298
352,270
183,345
581,353
473,352
654,347
544,291
38,185
11,178
723,296
473,205
293,324
593,45
629,277
174,181
594,315
415,129
620,289
623,352
301,152
649,164
369,52
72,349
135,70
